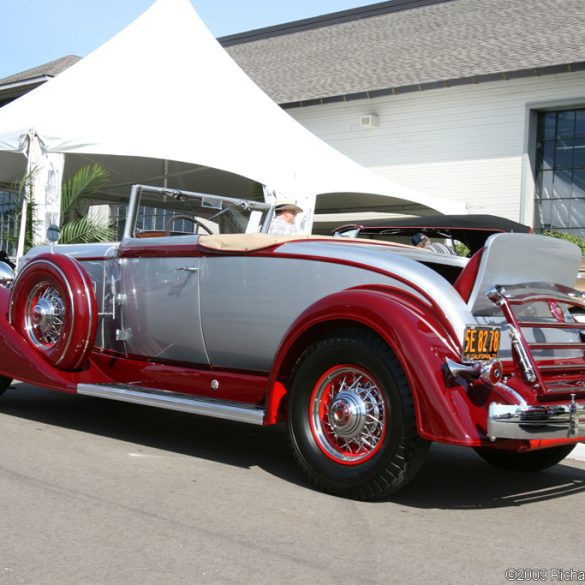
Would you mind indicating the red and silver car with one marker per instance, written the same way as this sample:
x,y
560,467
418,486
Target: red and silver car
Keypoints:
x,y
368,350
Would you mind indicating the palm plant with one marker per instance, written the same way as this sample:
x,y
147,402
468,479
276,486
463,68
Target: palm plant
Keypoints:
x,y
77,227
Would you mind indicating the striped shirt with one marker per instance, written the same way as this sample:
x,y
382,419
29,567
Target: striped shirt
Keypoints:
x,y
439,248
280,227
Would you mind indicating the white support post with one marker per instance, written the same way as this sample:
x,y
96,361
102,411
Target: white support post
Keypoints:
x,y
44,177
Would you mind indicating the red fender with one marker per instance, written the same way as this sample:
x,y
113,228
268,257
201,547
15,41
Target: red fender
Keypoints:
x,y
20,360
53,306
419,338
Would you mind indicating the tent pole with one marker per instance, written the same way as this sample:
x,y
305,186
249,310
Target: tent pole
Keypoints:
x,y
22,230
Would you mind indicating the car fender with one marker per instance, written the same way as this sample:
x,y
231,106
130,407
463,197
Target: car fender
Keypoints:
x,y
18,358
417,334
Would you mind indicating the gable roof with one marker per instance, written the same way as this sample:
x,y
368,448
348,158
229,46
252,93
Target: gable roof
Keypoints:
x,y
411,45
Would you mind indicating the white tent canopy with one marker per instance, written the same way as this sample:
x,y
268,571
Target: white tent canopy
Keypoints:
x,y
163,90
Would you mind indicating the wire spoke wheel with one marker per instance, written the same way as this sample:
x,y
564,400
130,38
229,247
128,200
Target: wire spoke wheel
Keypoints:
x,y
351,417
348,414
45,315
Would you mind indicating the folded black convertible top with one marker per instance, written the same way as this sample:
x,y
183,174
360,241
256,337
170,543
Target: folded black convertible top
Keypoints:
x,y
474,221
471,230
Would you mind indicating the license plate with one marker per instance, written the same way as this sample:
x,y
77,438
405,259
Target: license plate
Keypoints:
x,y
481,343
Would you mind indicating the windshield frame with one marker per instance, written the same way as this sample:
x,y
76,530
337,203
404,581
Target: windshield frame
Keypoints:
x,y
206,201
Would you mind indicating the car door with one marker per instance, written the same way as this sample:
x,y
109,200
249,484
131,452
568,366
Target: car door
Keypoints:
x,y
158,300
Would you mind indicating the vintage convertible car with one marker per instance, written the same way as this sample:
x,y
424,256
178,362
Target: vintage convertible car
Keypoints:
x,y
367,350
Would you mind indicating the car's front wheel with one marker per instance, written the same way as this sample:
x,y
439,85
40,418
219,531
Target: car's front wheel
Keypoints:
x,y
351,417
4,384
529,461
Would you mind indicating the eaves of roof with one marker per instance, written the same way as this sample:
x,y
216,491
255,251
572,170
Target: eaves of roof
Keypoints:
x,y
325,20
38,74
476,79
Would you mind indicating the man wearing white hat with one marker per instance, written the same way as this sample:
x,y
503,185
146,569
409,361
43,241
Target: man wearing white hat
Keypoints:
x,y
283,223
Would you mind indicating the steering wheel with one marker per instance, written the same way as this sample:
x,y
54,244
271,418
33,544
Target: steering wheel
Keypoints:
x,y
175,218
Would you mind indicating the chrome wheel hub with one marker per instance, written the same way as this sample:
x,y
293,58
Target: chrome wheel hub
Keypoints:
x,y
45,315
348,415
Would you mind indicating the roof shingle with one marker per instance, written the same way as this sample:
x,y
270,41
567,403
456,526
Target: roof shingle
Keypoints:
x,y
50,69
398,46
419,45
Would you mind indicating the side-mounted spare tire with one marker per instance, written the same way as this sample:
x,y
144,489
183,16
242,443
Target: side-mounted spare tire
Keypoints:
x,y
53,305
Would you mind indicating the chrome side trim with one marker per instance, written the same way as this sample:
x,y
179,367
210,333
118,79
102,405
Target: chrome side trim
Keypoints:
x,y
174,401
558,421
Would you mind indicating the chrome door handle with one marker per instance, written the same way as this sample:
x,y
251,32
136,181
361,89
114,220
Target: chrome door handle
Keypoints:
x,y
188,268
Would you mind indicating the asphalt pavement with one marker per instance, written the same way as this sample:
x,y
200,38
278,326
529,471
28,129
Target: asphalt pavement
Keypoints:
x,y
96,492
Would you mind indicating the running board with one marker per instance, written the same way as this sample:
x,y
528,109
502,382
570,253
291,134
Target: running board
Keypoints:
x,y
174,401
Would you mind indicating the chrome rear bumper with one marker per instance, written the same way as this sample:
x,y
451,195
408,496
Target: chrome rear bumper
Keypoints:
x,y
558,421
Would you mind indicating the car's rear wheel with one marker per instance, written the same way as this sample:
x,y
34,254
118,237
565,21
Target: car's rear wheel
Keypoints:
x,y
351,417
4,384
529,461
52,304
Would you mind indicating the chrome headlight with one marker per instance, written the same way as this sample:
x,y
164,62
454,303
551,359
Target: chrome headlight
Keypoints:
x,y
6,275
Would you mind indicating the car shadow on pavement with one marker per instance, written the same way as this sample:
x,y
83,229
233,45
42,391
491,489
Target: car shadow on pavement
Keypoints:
x,y
237,444
457,478
451,478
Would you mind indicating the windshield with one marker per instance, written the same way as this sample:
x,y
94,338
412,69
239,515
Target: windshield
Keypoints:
x,y
167,212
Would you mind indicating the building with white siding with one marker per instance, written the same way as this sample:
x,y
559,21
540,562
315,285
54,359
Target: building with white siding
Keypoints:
x,y
474,143
476,100
482,101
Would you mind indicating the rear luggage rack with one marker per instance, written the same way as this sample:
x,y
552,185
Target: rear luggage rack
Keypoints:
x,y
549,376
